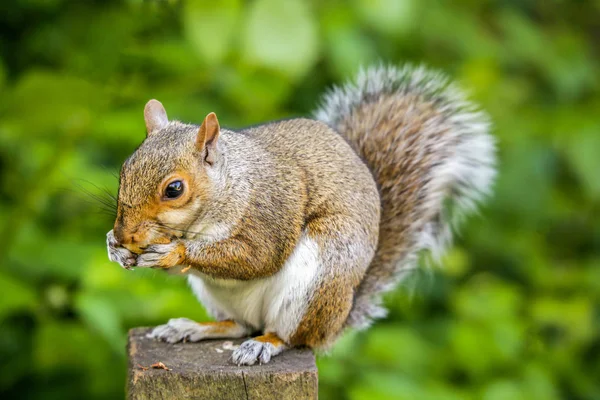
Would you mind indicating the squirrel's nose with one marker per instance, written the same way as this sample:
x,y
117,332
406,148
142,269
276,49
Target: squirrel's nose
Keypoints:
x,y
135,238
123,237
126,238
119,236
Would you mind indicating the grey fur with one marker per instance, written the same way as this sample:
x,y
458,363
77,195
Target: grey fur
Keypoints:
x,y
186,330
463,171
286,231
119,254
252,351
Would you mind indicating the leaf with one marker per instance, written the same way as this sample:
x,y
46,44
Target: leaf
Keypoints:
x,y
257,92
574,317
346,47
540,383
487,299
15,296
400,347
503,390
281,35
385,385
210,27
102,317
584,155
70,343
66,350
392,17
2,74
58,256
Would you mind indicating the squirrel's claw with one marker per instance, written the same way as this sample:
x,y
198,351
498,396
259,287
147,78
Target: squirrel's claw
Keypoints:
x,y
117,254
255,351
179,330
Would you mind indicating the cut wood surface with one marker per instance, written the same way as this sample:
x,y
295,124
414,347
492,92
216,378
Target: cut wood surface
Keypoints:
x,y
203,371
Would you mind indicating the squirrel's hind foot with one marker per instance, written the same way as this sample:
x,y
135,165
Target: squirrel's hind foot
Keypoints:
x,y
258,350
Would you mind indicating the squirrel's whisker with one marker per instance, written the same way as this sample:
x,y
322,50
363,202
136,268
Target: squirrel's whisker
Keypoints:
x,y
100,201
358,191
180,230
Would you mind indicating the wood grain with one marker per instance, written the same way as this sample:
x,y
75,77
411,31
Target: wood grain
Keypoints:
x,y
203,371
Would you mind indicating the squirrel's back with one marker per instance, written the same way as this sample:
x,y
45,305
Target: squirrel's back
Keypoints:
x,y
425,144
333,173
333,177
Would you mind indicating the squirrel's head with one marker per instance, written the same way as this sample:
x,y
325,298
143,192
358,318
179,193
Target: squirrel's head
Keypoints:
x,y
167,181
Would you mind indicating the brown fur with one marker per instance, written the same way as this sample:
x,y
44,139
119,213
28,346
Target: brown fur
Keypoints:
x,y
332,300
309,181
425,144
219,327
270,338
326,313
401,169
361,195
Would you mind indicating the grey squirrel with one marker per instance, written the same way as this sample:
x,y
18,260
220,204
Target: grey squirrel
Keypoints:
x,y
294,229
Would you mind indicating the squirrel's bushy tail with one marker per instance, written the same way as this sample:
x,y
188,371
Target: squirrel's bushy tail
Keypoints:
x,y
432,156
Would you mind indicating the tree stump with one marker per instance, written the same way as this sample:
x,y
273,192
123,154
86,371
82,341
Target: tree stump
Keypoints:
x,y
203,371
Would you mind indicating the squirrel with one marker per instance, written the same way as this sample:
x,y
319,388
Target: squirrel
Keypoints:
x,y
294,229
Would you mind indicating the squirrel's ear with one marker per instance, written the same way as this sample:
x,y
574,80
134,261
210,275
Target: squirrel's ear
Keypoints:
x,y
155,116
208,134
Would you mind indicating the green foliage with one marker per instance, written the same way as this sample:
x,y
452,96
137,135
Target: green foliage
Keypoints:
x,y
514,314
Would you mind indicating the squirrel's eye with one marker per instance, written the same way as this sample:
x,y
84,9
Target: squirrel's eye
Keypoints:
x,y
174,190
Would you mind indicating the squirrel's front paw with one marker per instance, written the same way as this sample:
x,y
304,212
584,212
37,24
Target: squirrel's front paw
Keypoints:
x,y
162,255
178,330
119,254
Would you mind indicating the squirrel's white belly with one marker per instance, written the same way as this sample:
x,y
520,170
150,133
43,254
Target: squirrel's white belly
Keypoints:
x,y
273,304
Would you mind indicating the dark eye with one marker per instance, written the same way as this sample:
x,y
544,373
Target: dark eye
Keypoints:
x,y
174,190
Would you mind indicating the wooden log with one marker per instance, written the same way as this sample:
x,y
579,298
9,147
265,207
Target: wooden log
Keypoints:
x,y
203,371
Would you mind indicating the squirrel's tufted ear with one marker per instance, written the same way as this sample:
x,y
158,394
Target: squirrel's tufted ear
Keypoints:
x,y
208,134
155,116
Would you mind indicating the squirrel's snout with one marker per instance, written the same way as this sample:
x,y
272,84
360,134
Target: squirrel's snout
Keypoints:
x,y
139,238
131,240
124,238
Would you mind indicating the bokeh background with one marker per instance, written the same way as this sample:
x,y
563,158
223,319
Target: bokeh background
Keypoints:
x,y
515,312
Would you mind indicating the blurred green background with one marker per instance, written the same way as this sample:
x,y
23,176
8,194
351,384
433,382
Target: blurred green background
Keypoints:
x,y
515,312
